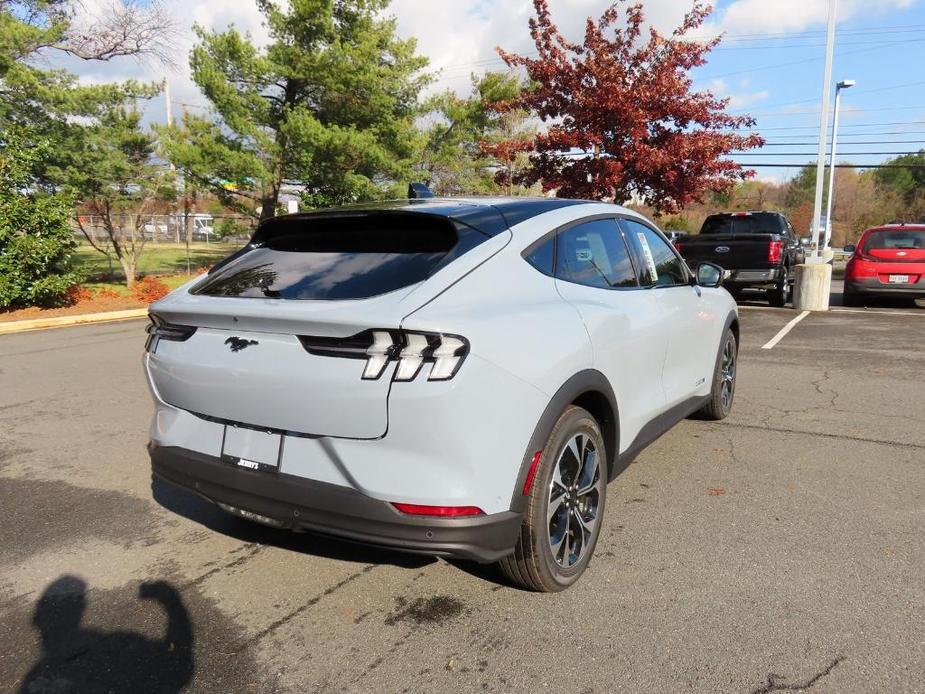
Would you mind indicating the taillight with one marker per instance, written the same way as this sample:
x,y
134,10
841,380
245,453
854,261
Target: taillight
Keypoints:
x,y
411,349
774,251
438,511
161,330
677,247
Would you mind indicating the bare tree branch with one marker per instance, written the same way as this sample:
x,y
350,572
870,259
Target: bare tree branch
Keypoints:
x,y
123,28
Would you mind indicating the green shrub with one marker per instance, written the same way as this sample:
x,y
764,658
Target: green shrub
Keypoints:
x,y
35,235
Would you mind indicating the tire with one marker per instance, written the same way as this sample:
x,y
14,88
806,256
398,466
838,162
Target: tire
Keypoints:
x,y
780,295
851,299
722,393
540,562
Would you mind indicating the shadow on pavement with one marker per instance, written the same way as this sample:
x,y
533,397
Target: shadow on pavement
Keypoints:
x,y
86,660
206,513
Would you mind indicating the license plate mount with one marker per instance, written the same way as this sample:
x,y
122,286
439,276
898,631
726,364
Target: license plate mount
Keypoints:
x,y
251,449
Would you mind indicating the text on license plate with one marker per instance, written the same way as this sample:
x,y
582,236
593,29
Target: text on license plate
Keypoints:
x,y
899,279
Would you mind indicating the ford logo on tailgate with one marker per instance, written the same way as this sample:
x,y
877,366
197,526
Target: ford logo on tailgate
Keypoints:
x,y
722,249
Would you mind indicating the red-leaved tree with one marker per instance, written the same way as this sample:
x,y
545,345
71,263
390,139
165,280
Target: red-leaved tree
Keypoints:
x,y
621,117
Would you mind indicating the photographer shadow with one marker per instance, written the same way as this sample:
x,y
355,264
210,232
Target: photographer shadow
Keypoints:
x,y
76,658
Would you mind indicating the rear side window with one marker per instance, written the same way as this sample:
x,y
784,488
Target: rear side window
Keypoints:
x,y
746,223
343,258
543,256
594,254
659,264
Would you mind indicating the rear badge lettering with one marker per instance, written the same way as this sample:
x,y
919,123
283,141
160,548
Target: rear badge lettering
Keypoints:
x,y
249,464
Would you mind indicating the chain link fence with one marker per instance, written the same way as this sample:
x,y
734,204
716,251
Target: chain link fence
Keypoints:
x,y
170,244
172,228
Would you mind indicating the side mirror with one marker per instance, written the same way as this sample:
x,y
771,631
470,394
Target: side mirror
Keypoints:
x,y
850,248
709,275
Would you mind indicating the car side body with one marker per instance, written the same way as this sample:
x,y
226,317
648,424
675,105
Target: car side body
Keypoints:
x,y
273,408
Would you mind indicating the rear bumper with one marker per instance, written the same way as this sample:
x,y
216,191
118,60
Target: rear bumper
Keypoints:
x,y
763,277
874,287
297,503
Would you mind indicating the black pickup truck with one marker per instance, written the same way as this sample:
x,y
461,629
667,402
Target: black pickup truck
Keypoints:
x,y
758,249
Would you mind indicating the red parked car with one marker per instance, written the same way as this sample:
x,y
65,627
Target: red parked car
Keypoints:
x,y
888,261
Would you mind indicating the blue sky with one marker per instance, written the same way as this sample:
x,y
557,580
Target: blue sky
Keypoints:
x,y
770,63
779,79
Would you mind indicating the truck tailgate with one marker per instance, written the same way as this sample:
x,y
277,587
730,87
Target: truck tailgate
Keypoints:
x,y
729,251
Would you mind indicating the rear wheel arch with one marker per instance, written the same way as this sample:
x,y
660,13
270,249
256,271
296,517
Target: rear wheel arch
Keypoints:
x,y
733,325
590,390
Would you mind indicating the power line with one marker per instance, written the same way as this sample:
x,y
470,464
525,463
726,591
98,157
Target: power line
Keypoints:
x,y
806,154
840,126
855,142
758,165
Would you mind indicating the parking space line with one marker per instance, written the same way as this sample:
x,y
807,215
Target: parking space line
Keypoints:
x,y
875,312
783,331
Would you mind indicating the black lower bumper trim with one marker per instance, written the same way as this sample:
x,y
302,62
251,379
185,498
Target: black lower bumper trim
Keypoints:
x,y
302,504
874,287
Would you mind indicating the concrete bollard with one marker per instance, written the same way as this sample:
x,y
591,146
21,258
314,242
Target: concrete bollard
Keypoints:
x,y
811,287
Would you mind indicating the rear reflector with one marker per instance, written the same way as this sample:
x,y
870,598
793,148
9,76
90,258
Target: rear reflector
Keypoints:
x,y
438,511
531,473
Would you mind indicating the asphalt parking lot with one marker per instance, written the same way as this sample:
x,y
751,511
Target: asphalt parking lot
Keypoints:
x,y
781,549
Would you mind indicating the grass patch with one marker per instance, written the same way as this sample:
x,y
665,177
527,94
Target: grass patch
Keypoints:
x,y
157,259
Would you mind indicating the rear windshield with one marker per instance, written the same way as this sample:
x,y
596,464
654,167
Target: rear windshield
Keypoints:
x,y
342,258
895,238
752,223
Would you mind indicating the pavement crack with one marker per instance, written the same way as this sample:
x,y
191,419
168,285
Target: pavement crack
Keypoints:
x,y
251,550
832,394
776,683
308,605
827,435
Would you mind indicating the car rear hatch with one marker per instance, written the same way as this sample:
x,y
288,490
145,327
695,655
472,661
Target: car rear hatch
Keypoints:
x,y
898,254
241,345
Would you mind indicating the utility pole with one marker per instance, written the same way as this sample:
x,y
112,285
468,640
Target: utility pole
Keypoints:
x,y
167,102
812,281
823,129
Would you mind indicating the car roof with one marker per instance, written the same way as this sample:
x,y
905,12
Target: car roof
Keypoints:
x,y
490,215
920,227
742,213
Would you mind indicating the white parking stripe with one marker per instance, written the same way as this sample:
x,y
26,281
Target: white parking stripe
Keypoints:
x,y
875,312
783,331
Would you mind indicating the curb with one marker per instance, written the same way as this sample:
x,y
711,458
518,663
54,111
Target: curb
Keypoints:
x,y
21,326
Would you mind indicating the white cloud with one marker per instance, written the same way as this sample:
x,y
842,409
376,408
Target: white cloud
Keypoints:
x,y
738,100
460,37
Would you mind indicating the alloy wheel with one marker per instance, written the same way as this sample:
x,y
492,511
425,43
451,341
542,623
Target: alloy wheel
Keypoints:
x,y
728,369
575,492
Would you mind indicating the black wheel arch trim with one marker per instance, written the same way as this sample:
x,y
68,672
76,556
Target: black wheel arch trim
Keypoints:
x,y
587,384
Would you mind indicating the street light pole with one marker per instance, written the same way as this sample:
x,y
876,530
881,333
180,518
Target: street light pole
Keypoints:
x,y
812,279
844,84
823,127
